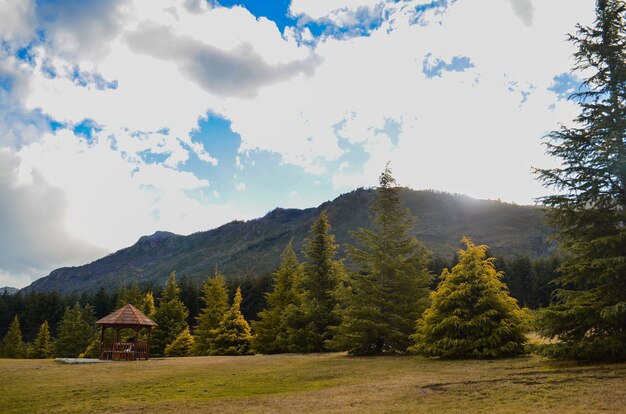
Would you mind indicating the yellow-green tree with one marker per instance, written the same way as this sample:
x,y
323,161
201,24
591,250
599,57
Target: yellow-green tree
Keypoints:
x,y
182,345
472,314
232,336
215,298
41,348
147,305
76,331
13,344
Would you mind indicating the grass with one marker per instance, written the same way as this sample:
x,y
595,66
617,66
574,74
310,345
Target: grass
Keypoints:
x,y
332,383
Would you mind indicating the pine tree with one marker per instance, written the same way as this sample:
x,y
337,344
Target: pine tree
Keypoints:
x,y
13,344
182,345
41,348
389,290
131,296
170,317
472,314
75,332
271,330
232,336
589,210
215,298
310,323
147,305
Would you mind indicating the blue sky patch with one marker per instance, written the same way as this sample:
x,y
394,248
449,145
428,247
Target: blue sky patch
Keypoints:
x,y
437,66
565,85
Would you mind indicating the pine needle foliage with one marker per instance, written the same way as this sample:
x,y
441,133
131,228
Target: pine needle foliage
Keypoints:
x,y
272,329
170,316
147,305
588,315
182,346
13,343
389,290
41,347
310,323
232,336
75,332
471,313
215,298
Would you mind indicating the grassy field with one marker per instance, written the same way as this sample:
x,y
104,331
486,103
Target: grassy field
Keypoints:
x,y
332,383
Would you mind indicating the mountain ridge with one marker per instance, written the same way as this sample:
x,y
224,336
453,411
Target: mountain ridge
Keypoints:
x,y
253,247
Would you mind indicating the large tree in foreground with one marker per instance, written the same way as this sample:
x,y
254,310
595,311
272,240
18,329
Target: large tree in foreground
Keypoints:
x,y
13,344
215,298
588,315
389,290
472,314
310,323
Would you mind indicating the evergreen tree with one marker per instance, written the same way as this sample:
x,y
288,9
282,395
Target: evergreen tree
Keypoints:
x,y
271,330
13,344
589,210
389,291
41,347
147,306
131,296
232,336
182,345
215,298
310,324
170,316
75,332
472,314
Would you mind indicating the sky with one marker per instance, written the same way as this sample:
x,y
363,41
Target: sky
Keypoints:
x,y
121,118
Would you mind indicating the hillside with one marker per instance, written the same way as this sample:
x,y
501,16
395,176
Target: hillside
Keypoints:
x,y
254,247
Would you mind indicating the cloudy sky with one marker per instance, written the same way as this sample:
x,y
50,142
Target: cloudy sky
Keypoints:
x,y
120,118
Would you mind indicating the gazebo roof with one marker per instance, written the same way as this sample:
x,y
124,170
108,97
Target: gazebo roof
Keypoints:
x,y
128,316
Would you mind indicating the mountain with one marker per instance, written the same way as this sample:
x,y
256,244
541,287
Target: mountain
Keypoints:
x,y
8,290
253,247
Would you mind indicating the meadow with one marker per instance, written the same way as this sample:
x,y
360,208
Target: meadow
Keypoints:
x,y
327,383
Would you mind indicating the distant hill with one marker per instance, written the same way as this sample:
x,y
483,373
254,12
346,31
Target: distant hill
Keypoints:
x,y
9,290
254,247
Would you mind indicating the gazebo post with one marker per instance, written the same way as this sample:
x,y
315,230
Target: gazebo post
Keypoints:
x,y
102,342
149,335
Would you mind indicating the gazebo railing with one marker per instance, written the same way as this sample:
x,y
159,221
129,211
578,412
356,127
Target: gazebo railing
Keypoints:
x,y
124,351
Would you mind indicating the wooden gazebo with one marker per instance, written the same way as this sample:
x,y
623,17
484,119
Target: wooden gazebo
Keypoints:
x,y
127,317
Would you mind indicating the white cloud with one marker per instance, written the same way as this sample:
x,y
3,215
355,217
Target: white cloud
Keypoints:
x,y
240,186
17,18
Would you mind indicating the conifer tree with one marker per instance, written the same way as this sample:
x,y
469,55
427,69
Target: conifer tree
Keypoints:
x,y
232,336
13,344
130,295
42,347
472,314
182,345
147,305
215,298
271,330
389,290
75,332
310,323
589,210
170,316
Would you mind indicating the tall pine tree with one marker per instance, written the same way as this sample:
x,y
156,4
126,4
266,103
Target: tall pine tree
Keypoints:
x,y
389,291
232,336
170,316
472,314
76,331
271,330
310,323
215,298
13,344
589,210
